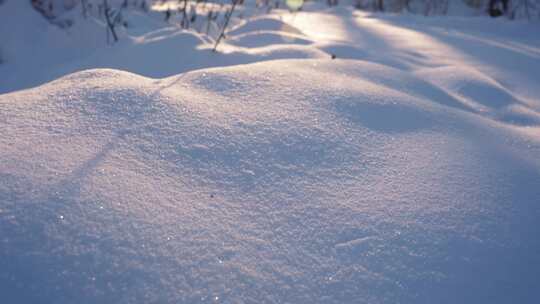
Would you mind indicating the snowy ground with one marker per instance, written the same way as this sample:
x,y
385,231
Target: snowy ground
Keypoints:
x,y
406,170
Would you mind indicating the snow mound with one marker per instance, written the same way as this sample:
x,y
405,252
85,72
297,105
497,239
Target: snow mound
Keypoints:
x,y
160,53
264,23
266,38
303,181
148,46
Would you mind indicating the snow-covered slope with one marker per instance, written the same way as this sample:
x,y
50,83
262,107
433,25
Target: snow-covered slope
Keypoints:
x,y
294,181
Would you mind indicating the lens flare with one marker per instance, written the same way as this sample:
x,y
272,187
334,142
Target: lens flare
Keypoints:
x,y
294,5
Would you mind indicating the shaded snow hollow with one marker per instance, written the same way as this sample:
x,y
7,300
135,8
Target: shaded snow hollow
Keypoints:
x,y
293,181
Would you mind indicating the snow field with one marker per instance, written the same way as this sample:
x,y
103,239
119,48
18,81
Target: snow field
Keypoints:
x,y
155,171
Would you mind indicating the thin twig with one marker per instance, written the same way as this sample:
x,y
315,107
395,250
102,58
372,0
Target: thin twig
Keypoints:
x,y
109,22
227,18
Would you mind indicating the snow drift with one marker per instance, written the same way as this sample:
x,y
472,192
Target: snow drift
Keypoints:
x,y
404,171
319,182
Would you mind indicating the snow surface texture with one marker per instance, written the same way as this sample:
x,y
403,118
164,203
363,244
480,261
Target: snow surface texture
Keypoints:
x,y
406,172
118,188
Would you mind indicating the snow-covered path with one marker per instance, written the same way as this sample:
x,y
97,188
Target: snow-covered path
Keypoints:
x,y
367,35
